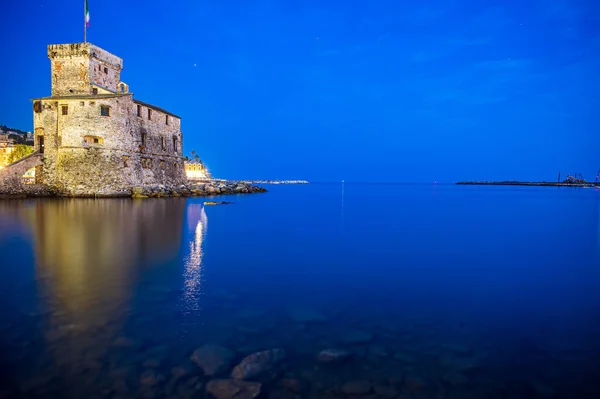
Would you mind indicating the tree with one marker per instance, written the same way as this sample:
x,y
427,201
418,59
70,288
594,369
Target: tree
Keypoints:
x,y
19,152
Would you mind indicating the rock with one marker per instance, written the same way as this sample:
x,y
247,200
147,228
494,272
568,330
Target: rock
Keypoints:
x,y
356,387
292,385
150,378
333,356
212,359
178,372
306,315
257,364
356,337
233,389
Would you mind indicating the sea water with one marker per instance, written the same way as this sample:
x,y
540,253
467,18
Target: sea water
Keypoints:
x,y
426,291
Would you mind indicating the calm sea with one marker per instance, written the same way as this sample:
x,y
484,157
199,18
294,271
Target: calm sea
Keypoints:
x,y
423,291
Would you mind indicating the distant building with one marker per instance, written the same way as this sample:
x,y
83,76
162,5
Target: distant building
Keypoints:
x,y
29,136
196,171
6,148
94,137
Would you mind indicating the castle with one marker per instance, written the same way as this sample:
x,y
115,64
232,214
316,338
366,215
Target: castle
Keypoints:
x,y
93,136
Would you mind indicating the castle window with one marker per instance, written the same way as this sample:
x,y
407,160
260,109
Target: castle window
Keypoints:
x,y
94,91
90,140
146,163
163,143
174,144
125,159
104,110
143,139
64,109
37,107
139,110
105,70
92,102
81,103
149,114
166,119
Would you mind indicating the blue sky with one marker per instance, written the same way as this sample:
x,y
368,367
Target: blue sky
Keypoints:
x,y
355,90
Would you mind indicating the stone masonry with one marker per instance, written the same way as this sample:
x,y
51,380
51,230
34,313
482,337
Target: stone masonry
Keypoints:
x,y
95,138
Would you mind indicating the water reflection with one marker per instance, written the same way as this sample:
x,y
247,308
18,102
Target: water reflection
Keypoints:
x,y
197,224
89,255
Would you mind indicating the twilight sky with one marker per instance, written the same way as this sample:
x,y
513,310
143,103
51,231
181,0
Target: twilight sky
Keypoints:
x,y
339,89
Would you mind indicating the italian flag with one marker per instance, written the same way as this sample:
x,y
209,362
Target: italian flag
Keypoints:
x,y
87,15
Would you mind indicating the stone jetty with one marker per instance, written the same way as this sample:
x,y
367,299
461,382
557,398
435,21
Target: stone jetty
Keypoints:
x,y
191,189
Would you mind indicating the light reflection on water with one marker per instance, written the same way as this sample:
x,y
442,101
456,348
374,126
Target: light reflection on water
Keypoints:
x,y
193,261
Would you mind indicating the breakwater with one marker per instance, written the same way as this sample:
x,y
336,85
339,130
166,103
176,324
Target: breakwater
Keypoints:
x,y
524,183
270,181
191,189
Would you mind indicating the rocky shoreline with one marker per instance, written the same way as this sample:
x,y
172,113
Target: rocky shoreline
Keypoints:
x,y
192,189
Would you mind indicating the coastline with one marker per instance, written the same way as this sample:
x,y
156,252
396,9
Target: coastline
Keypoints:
x,y
191,189
523,183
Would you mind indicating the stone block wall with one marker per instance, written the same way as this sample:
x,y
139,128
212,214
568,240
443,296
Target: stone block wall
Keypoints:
x,y
87,153
75,67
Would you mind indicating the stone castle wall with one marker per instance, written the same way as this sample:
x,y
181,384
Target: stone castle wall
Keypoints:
x,y
97,140
74,67
86,153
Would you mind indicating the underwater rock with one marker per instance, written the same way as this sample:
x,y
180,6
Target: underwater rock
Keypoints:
x,y
356,337
292,385
212,359
356,387
233,389
333,356
150,378
306,315
257,364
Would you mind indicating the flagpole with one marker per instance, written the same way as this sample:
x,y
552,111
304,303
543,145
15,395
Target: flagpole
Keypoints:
x,y
84,23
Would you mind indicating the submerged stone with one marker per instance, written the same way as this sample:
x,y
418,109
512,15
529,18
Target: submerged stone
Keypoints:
x,y
258,363
233,389
333,356
212,359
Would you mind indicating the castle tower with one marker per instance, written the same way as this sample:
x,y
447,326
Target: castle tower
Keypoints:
x,y
94,137
83,68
